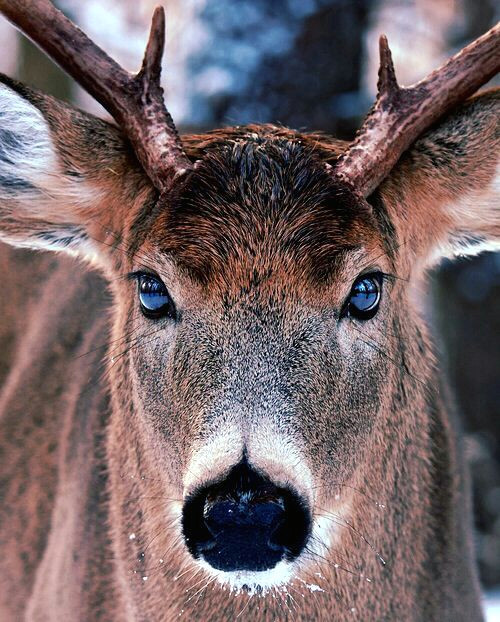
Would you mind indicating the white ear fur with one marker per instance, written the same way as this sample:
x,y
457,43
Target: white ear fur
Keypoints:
x,y
27,154
39,204
477,218
444,192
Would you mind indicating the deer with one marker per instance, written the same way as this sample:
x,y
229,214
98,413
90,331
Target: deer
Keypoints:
x,y
220,399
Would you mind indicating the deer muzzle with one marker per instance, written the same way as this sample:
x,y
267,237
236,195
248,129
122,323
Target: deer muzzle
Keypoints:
x,y
245,522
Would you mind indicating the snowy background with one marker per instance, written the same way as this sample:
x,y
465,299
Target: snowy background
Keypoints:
x,y
313,64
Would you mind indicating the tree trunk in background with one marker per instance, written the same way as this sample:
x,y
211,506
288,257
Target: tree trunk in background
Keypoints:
x,y
298,63
37,70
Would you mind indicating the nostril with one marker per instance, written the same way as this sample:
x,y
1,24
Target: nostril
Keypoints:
x,y
245,522
226,514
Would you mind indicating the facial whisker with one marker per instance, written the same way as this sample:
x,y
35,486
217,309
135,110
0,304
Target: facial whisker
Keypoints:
x,y
342,522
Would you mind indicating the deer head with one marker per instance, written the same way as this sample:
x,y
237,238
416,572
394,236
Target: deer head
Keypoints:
x,y
272,380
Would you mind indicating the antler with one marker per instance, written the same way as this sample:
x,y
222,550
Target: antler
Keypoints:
x,y
400,114
135,101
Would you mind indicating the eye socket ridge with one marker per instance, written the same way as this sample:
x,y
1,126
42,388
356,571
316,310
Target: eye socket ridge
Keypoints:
x,y
364,298
154,299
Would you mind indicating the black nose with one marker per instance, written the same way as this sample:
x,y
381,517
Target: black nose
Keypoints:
x,y
245,522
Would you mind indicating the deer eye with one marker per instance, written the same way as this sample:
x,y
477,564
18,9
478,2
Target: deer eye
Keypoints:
x,y
364,299
154,297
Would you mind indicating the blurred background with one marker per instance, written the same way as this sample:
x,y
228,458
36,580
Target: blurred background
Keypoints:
x,y
312,64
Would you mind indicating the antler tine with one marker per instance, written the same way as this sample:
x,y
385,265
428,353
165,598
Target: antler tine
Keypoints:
x,y
151,63
135,101
387,82
400,115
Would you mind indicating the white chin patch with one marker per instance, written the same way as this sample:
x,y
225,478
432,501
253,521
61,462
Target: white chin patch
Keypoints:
x,y
253,582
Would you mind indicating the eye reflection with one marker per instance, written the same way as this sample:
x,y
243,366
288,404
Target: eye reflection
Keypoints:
x,y
154,298
364,298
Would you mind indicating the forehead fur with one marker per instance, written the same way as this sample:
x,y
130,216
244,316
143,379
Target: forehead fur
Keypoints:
x,y
261,198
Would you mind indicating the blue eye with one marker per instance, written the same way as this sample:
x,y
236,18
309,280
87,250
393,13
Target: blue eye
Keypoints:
x,y
364,298
154,298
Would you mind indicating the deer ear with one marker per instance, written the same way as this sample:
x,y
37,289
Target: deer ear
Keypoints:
x,y
68,180
443,195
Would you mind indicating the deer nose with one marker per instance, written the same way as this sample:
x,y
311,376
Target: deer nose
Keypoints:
x,y
245,522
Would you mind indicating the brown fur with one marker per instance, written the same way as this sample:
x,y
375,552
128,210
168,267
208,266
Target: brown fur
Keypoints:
x,y
259,251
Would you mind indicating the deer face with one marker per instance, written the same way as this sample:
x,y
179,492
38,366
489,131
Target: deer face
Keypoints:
x,y
255,301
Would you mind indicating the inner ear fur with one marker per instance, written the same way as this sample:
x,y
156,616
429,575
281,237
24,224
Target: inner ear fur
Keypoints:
x,y
68,180
442,196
